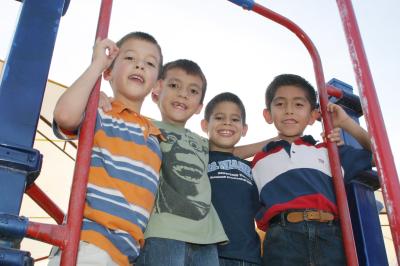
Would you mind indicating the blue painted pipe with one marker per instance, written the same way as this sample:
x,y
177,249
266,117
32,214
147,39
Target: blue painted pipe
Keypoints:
x,y
65,8
12,226
246,4
14,257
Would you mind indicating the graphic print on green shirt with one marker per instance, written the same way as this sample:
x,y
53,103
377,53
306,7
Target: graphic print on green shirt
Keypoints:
x,y
184,188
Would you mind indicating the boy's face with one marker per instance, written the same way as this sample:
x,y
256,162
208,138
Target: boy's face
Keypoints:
x,y
225,127
135,71
178,96
290,112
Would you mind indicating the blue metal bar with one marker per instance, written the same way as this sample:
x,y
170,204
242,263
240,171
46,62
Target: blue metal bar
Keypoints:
x,y
360,194
65,8
22,86
12,226
348,98
246,4
365,220
13,257
26,70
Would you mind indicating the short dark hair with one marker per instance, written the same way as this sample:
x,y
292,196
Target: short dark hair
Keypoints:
x,y
191,68
138,35
225,97
290,80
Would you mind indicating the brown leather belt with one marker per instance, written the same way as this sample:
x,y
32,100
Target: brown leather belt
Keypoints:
x,y
304,215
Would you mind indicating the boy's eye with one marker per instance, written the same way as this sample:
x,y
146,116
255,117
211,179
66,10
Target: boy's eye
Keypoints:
x,y
218,118
236,119
299,104
173,85
150,64
130,58
194,91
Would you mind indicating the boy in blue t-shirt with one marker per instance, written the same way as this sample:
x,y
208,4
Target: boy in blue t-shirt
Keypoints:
x,y
234,193
293,176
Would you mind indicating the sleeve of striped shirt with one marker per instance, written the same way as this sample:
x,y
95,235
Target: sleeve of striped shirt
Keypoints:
x,y
64,134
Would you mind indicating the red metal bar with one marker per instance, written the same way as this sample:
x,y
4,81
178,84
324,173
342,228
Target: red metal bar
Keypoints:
x,y
335,92
79,183
48,233
345,222
41,199
382,152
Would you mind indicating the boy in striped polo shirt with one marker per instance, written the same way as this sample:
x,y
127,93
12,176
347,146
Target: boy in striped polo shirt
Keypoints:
x,y
126,156
294,179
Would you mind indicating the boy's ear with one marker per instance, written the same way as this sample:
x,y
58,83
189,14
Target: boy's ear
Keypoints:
x,y
155,93
244,131
204,125
315,114
268,116
107,74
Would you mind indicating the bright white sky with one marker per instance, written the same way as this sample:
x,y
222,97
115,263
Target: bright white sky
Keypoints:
x,y
239,50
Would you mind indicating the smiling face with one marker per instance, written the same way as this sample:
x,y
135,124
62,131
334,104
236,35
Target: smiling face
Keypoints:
x,y
179,96
225,126
290,112
134,72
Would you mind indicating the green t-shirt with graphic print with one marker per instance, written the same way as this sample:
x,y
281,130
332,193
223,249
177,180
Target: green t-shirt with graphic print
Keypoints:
x,y
183,209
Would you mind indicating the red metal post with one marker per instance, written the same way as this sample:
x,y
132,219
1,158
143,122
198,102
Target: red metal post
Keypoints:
x,y
341,198
382,152
79,183
335,92
48,233
41,199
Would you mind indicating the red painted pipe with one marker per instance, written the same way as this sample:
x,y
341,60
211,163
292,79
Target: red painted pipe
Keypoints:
x,y
345,222
41,199
48,233
380,143
79,183
335,92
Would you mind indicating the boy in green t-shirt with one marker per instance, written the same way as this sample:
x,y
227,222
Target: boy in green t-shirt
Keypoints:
x,y
184,225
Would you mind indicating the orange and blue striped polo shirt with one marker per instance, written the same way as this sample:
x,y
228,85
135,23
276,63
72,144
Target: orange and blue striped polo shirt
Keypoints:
x,y
123,181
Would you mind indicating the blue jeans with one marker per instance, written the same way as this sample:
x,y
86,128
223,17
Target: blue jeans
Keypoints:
x,y
168,252
233,262
304,243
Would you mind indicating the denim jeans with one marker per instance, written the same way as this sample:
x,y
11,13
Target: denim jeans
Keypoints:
x,y
168,252
305,243
233,262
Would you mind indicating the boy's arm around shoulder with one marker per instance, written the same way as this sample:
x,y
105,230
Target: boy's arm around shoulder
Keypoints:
x,y
249,150
70,107
344,121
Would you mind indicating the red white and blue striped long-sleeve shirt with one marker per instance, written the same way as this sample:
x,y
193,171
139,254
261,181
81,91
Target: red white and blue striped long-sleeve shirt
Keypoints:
x,y
298,176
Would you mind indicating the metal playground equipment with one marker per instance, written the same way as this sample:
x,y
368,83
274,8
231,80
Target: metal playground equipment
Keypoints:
x,y
27,66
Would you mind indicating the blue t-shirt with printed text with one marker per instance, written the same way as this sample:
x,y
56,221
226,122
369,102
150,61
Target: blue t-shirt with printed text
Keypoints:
x,y
235,197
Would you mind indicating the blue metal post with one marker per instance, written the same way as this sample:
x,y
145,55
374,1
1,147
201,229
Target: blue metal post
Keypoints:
x,y
22,86
246,4
362,204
